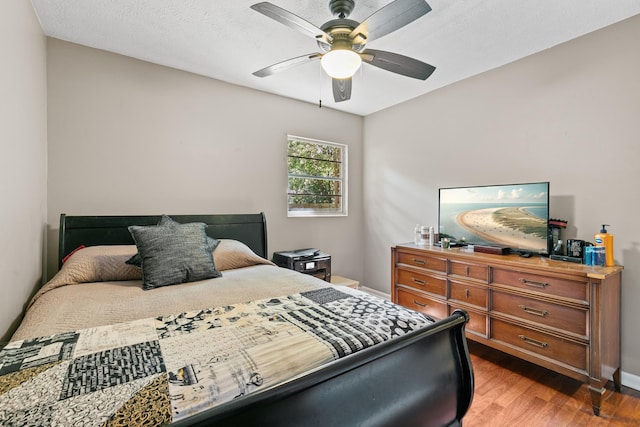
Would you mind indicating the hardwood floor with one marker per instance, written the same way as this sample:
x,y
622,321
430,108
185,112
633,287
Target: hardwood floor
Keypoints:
x,y
512,392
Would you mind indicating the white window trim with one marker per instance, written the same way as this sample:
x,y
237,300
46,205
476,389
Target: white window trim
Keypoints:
x,y
345,181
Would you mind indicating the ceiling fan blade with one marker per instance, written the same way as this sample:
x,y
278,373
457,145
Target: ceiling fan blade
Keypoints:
x,y
389,18
341,89
398,64
275,68
292,21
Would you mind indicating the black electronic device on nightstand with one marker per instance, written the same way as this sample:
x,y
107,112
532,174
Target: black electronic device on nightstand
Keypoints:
x,y
308,261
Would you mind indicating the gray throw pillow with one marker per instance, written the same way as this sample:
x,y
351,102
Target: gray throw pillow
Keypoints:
x,y
167,220
173,253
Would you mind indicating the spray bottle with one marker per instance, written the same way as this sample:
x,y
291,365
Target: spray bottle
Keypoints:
x,y
605,239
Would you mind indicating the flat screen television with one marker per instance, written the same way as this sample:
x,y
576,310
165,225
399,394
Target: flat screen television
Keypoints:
x,y
515,216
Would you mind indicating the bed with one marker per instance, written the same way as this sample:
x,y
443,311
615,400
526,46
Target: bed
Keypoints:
x,y
254,345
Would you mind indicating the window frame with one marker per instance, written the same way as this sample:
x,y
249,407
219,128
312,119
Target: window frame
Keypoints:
x,y
344,150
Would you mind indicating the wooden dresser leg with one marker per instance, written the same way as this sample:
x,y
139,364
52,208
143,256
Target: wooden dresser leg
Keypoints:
x,y
596,398
616,380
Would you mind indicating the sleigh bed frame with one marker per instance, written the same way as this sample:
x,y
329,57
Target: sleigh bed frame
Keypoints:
x,y
423,378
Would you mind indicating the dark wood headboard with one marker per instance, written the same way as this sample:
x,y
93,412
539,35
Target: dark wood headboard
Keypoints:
x,y
251,229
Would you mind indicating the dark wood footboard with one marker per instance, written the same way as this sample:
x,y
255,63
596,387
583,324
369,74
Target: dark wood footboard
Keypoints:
x,y
424,378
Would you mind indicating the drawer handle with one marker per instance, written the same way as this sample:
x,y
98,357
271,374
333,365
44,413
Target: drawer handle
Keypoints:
x,y
419,261
418,281
533,342
466,271
534,283
467,293
421,304
534,311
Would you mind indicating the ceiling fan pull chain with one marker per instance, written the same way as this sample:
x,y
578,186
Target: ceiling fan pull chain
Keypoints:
x,y
320,87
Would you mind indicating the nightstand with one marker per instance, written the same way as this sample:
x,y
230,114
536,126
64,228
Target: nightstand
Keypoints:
x,y
343,281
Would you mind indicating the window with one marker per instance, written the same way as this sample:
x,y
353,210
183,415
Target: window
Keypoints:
x,y
317,172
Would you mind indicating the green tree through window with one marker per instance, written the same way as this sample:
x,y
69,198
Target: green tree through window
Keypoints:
x,y
316,171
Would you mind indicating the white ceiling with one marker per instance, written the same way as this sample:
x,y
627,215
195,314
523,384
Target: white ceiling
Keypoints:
x,y
228,41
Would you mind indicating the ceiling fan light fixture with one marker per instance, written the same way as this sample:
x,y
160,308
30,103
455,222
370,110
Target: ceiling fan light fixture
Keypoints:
x,y
341,63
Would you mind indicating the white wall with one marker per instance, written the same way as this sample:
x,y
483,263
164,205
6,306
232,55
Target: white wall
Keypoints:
x,y
130,137
23,154
568,115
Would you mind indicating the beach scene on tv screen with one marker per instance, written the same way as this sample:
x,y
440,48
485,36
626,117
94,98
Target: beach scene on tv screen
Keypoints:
x,y
514,216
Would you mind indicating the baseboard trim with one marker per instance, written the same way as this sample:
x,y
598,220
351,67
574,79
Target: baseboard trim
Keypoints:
x,y
630,380
375,292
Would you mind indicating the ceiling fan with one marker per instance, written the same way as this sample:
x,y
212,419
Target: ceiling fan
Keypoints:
x,y
342,41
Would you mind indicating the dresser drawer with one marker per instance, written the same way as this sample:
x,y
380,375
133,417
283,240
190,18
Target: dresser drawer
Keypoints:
x,y
423,261
552,347
477,320
544,284
423,282
565,318
469,294
469,270
432,307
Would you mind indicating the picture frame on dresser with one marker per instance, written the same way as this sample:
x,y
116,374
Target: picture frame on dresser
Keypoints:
x,y
560,315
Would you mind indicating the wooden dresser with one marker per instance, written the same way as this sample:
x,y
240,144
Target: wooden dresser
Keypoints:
x,y
560,315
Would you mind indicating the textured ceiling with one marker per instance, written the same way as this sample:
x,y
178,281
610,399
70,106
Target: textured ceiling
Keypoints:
x,y
228,41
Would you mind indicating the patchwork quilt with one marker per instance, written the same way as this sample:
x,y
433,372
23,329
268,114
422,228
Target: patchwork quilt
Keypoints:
x,y
158,370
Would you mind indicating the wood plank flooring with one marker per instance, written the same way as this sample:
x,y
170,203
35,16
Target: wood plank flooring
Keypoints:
x,y
512,392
